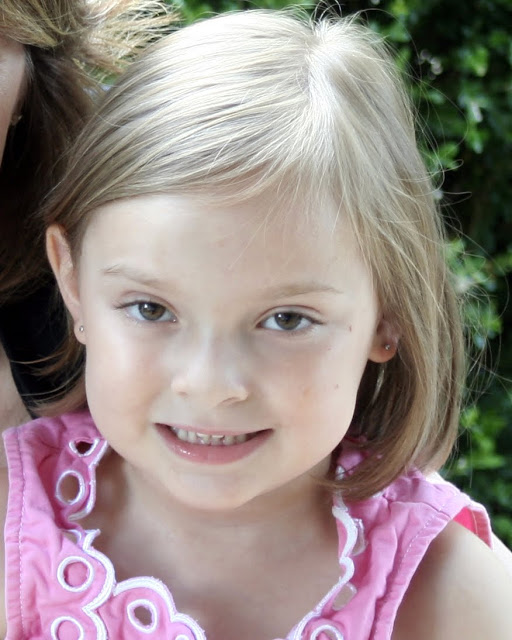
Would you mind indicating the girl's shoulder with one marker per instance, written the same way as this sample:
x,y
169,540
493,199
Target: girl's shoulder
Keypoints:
x,y
50,462
434,556
460,589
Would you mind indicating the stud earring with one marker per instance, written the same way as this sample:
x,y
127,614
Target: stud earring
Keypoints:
x,y
387,347
81,328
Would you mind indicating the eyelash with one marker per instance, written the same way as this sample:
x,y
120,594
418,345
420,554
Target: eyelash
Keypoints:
x,y
297,316
134,308
133,311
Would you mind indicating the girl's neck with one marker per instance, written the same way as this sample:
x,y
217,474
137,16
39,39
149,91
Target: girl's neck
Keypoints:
x,y
285,511
128,507
268,546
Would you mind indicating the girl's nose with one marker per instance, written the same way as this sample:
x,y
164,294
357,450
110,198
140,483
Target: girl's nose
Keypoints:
x,y
211,373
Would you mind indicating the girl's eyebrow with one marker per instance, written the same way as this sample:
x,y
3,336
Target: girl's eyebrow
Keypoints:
x,y
301,288
288,290
132,273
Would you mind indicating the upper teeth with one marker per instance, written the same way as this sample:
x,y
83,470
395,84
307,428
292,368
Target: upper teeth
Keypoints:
x,y
206,438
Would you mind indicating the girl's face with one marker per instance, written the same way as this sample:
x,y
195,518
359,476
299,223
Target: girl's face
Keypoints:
x,y
224,349
12,72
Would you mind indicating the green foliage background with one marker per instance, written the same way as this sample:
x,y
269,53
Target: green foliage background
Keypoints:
x,y
459,56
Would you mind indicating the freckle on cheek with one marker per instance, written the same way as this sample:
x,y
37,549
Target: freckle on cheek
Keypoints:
x,y
336,386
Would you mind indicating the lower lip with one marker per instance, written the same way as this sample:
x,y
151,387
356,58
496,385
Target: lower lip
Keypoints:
x,y
212,454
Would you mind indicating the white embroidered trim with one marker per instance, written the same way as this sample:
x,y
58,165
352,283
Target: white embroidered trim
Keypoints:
x,y
90,608
83,454
56,624
75,560
354,542
92,482
360,544
298,633
109,588
146,604
159,588
329,630
81,487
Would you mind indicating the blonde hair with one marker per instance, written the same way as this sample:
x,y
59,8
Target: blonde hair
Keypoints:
x,y
71,46
248,102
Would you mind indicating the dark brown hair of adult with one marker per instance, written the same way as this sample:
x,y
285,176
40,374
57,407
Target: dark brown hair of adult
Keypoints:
x,y
72,46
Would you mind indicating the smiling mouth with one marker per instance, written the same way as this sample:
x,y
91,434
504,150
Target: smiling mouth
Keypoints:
x,y
195,437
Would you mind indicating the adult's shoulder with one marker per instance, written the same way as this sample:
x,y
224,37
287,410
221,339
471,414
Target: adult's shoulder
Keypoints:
x,y
460,590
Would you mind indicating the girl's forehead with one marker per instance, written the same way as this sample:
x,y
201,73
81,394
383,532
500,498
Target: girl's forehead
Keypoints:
x,y
258,216
259,230
221,256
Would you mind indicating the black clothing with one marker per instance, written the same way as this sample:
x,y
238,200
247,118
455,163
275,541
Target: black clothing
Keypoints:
x,y
31,329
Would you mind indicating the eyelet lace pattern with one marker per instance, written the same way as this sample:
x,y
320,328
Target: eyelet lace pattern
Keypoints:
x,y
60,587
144,604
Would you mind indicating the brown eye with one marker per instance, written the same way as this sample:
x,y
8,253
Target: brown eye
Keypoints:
x,y
151,311
287,321
147,312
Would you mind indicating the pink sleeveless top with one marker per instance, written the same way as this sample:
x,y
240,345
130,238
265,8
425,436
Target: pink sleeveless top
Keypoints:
x,y
60,588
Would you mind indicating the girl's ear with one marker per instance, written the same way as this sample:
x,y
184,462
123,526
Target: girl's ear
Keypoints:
x,y
385,342
59,256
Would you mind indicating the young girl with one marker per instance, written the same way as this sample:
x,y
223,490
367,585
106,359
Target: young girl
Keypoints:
x,y
247,243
